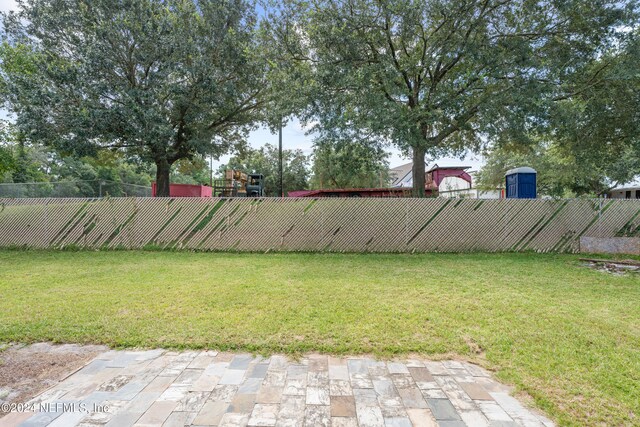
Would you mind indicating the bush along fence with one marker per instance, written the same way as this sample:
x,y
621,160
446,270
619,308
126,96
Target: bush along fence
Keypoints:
x,y
335,225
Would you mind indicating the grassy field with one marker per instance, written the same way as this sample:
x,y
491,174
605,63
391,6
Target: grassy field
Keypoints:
x,y
566,335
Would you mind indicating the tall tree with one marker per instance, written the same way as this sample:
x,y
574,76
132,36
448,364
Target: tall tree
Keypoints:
x,y
596,125
591,140
162,79
438,77
7,140
6,160
266,161
348,165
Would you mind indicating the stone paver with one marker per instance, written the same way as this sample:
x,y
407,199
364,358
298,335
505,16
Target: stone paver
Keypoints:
x,y
343,406
207,388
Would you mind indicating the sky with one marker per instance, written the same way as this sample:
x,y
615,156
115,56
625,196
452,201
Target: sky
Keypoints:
x,y
6,5
294,136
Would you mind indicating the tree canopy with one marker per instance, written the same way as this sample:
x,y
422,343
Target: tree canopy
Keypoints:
x,y
172,82
39,171
440,77
591,139
159,80
7,162
337,164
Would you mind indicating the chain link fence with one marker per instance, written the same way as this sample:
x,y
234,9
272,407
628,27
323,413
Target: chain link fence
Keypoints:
x,y
78,188
316,225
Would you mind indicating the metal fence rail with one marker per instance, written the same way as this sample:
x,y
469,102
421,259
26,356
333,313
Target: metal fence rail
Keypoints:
x,y
302,224
73,188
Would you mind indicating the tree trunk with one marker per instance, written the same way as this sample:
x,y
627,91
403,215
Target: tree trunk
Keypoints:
x,y
417,173
163,167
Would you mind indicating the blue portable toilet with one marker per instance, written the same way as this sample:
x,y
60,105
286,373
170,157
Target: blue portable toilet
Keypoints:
x,y
521,183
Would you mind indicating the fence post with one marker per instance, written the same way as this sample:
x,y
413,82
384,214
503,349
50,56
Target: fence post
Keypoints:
x,y
323,222
406,224
132,223
47,232
600,217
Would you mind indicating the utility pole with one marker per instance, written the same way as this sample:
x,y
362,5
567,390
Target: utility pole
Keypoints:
x,y
281,188
210,171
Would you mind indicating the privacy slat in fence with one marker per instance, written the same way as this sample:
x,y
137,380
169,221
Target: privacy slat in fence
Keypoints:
x,y
290,224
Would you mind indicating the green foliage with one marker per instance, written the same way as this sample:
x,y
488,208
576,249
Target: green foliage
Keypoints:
x,y
6,160
349,165
560,174
265,160
38,171
552,177
7,140
191,171
591,141
41,172
162,80
596,128
31,163
442,77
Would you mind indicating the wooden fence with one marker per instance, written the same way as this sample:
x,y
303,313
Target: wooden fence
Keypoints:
x,y
301,224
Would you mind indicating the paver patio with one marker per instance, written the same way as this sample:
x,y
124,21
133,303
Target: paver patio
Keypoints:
x,y
207,388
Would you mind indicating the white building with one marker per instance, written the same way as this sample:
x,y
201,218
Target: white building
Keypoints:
x,y
446,181
471,193
627,191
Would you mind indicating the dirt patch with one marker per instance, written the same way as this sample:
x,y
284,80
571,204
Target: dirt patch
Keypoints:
x,y
612,266
28,370
474,347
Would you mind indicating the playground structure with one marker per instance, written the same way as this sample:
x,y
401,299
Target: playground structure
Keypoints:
x,y
235,184
239,184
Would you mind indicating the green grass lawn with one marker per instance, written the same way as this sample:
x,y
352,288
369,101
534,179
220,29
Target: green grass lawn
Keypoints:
x,y
566,335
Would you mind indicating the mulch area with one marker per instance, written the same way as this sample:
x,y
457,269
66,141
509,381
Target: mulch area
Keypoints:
x,y
26,370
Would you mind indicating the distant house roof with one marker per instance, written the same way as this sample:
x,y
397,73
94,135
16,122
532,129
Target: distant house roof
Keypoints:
x,y
400,174
436,167
635,184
